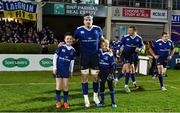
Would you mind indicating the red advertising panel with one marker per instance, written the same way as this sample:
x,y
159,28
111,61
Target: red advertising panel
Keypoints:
x,y
136,12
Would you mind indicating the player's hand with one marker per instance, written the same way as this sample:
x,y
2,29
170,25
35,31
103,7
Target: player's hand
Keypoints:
x,y
54,71
169,57
137,49
156,56
60,44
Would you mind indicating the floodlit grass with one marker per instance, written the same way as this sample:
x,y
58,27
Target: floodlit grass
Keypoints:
x,y
35,91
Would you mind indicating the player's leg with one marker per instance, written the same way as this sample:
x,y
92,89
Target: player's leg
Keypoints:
x,y
58,92
102,78
65,90
112,93
127,69
84,77
160,68
94,62
133,76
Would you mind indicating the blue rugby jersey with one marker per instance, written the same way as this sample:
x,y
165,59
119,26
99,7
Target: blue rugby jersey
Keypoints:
x,y
162,48
116,45
106,59
63,57
89,39
130,43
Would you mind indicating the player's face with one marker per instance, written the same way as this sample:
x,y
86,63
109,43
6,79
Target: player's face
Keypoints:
x,y
165,37
68,40
131,31
88,22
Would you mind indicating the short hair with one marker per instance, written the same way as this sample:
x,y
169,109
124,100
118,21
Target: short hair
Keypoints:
x,y
116,37
164,33
87,14
67,34
133,27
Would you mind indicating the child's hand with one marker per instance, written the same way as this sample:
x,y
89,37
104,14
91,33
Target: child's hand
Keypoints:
x,y
54,73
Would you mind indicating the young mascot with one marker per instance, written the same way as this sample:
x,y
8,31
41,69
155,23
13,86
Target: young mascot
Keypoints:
x,y
106,66
63,62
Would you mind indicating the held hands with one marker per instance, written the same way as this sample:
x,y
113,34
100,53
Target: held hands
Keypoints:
x,y
169,57
156,56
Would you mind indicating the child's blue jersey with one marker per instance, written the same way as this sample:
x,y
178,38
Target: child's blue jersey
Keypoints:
x,y
89,39
130,43
65,54
116,45
106,59
163,48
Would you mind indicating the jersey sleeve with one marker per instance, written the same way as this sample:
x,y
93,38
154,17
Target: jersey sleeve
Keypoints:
x,y
112,61
122,41
154,44
76,34
172,45
58,50
100,33
141,44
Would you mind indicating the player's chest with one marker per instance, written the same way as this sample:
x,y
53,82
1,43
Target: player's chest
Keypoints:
x,y
132,41
104,57
164,45
89,35
66,53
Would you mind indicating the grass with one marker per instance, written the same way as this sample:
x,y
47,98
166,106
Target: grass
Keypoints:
x,y
35,91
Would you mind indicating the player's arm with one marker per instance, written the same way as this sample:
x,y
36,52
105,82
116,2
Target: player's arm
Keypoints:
x,y
151,51
76,36
55,56
171,51
71,68
141,46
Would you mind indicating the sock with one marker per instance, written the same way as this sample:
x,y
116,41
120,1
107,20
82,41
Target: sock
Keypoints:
x,y
85,88
133,78
120,74
95,86
161,80
65,96
58,98
127,78
112,97
102,96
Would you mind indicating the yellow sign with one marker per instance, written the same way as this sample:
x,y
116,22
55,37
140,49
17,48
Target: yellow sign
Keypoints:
x,y
20,14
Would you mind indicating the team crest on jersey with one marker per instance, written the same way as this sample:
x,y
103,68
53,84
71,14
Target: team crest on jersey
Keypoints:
x,y
71,53
127,39
82,32
63,50
96,32
137,40
89,38
105,58
160,44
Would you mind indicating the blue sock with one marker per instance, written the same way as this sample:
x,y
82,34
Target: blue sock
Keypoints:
x,y
102,96
133,77
95,86
85,88
120,74
112,97
127,78
58,98
161,80
65,96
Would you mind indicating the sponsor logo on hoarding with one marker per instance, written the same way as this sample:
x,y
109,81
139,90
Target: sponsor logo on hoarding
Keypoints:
x,y
136,12
12,62
46,62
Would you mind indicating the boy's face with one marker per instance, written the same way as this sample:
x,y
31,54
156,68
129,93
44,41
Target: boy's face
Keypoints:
x,y
116,39
131,31
68,40
104,46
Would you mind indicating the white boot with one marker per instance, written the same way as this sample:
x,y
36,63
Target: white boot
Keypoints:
x,y
95,98
86,101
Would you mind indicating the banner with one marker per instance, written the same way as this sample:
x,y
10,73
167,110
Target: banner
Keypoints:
x,y
20,14
25,62
19,9
159,14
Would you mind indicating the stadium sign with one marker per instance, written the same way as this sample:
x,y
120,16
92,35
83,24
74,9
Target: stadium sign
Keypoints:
x,y
11,62
26,62
175,18
136,12
46,62
79,9
159,14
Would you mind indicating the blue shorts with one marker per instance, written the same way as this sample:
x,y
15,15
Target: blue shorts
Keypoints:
x,y
89,61
127,58
162,61
62,73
